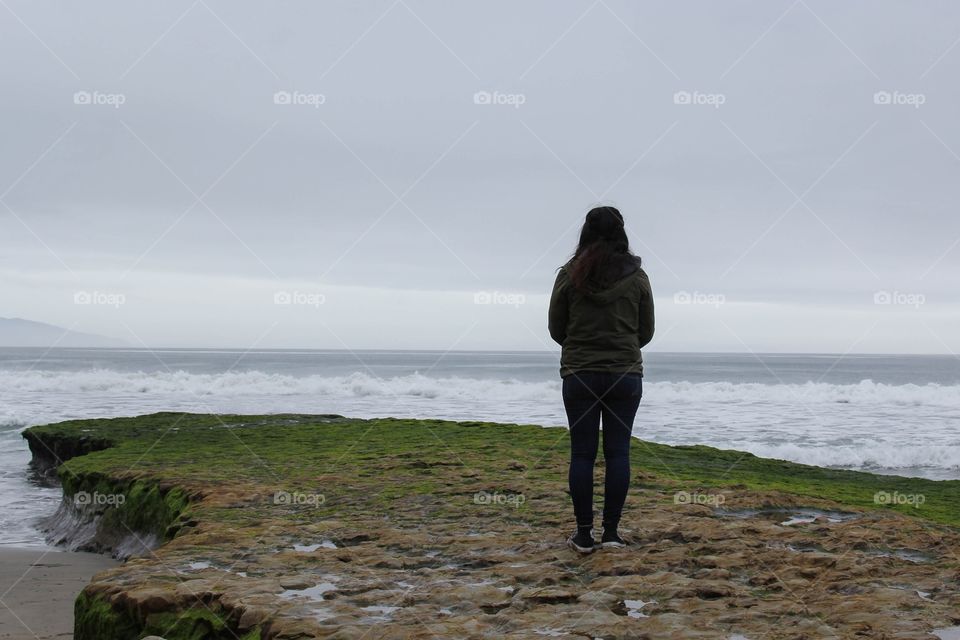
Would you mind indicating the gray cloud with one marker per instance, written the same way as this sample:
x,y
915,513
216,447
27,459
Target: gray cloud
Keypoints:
x,y
798,191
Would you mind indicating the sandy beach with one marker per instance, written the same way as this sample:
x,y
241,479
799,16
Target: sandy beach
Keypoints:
x,y
39,587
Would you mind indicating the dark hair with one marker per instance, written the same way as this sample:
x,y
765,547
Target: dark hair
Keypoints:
x,y
603,250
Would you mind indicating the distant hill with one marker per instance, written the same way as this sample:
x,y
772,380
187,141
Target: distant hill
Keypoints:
x,y
17,332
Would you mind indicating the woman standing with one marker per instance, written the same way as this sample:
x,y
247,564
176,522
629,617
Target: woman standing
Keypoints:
x,y
601,314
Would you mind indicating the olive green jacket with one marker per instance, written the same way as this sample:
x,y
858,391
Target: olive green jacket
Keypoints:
x,y
602,330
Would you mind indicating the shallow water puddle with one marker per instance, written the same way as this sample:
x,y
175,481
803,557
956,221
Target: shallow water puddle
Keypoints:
x,y
482,583
947,633
381,609
798,519
321,614
549,632
308,548
384,611
923,595
200,565
634,607
910,555
807,516
796,548
314,593
796,516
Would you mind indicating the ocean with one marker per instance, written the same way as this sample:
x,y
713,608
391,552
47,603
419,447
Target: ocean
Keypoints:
x,y
892,414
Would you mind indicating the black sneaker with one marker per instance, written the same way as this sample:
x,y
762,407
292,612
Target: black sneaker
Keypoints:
x,y
581,542
612,540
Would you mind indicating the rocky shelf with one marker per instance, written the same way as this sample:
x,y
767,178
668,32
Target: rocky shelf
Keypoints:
x,y
298,526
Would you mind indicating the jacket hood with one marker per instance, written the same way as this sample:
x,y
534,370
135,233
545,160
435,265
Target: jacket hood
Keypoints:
x,y
618,287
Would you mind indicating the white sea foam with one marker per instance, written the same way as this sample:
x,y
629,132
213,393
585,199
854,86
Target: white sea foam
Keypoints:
x,y
869,454
865,393
905,428
867,425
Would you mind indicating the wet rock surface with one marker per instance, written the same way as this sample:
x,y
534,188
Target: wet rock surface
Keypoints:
x,y
686,575
383,557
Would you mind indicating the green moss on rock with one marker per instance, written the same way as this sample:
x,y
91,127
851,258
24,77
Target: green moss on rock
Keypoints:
x,y
197,623
95,619
228,475
187,455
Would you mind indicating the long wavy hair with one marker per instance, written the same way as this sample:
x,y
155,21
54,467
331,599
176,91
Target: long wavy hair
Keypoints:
x,y
602,252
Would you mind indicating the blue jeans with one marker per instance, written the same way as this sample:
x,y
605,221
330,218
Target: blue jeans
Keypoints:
x,y
589,396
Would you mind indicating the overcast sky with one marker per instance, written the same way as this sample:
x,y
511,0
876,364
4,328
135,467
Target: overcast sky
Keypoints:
x,y
788,170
